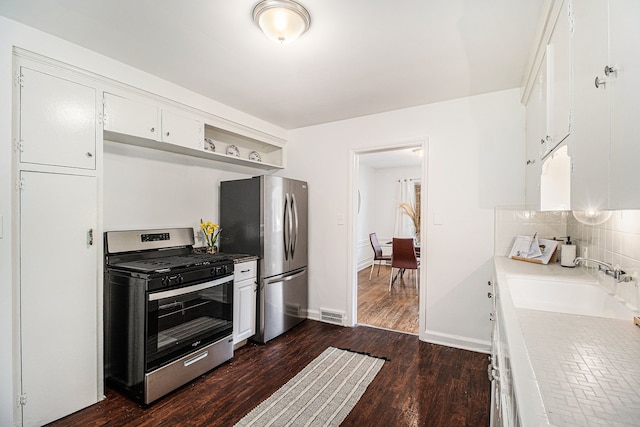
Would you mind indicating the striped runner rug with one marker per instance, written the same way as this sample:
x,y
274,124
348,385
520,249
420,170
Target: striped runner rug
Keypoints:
x,y
322,394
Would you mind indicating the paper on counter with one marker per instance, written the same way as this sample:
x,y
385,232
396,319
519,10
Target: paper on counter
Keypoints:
x,y
526,247
532,248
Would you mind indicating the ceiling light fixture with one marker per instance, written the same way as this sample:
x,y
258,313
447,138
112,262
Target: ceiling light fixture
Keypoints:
x,y
283,21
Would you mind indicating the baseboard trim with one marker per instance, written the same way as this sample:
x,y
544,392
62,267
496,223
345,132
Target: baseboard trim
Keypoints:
x,y
432,337
456,341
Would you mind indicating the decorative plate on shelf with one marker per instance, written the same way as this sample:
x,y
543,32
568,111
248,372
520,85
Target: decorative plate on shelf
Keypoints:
x,y
209,145
232,150
255,156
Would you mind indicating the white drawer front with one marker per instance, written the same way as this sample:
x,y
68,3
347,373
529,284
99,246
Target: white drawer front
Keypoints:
x,y
244,271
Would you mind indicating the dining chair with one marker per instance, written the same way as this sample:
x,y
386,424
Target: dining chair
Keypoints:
x,y
377,253
403,257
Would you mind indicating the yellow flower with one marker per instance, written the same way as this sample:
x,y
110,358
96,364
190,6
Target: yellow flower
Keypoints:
x,y
211,232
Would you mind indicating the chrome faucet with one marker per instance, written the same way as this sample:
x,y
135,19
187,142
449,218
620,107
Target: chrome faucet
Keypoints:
x,y
608,269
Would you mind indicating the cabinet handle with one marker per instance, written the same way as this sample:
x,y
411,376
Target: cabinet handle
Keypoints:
x,y
530,162
90,237
542,141
599,82
608,70
153,129
489,295
167,133
89,154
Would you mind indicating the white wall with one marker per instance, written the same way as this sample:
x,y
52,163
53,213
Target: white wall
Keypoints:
x,y
475,162
366,216
146,188
159,168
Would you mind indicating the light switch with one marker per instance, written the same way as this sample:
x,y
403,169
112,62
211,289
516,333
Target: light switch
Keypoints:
x,y
437,218
340,219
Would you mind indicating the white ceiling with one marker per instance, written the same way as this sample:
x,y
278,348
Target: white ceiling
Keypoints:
x,y
359,57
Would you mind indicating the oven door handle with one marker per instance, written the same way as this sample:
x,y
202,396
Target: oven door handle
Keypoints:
x,y
196,359
194,288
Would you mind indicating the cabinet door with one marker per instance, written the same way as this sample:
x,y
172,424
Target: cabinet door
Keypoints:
x,y
129,117
57,121
181,130
58,295
590,146
559,80
624,33
244,320
536,125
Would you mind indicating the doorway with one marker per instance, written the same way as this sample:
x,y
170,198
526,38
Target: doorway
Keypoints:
x,y
382,178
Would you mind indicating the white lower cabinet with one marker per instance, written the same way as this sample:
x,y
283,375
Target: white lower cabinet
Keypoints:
x,y
504,407
58,334
245,287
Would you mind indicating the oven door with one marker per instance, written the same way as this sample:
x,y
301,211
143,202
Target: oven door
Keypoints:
x,y
185,319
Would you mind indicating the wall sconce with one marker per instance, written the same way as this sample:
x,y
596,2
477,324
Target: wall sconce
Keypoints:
x,y
283,21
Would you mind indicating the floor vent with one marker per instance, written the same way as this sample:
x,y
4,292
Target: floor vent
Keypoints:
x,y
331,316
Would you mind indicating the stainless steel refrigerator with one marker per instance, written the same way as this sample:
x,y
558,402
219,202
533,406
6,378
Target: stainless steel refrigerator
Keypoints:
x,y
267,216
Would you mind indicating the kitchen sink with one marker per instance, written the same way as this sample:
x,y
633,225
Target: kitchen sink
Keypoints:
x,y
581,298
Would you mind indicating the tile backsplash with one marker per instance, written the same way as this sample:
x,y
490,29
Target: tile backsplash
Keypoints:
x,y
616,240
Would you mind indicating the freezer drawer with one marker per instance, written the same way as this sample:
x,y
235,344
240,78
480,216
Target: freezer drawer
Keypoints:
x,y
283,304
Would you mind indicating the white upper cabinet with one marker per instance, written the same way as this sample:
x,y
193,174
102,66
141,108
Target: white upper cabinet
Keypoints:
x,y
606,147
167,127
590,143
593,87
145,120
548,114
624,85
558,57
536,130
181,130
129,117
57,121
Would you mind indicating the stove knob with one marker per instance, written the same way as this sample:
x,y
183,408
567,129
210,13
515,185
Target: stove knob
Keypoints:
x,y
166,281
179,279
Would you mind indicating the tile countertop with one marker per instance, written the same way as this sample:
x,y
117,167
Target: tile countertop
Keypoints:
x,y
568,370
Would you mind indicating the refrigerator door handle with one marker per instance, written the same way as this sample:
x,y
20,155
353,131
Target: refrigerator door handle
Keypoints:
x,y
294,236
290,220
286,226
285,279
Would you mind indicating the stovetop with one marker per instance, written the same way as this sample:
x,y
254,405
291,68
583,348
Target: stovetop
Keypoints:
x,y
172,263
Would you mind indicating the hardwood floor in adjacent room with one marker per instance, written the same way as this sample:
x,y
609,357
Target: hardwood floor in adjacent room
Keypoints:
x,y
396,310
421,385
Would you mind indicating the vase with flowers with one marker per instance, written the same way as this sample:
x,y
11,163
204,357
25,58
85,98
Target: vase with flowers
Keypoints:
x,y
211,233
409,210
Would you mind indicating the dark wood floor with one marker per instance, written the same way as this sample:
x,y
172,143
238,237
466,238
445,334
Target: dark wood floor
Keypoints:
x,y
396,310
422,384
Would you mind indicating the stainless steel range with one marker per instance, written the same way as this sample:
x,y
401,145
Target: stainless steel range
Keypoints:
x,y
168,311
